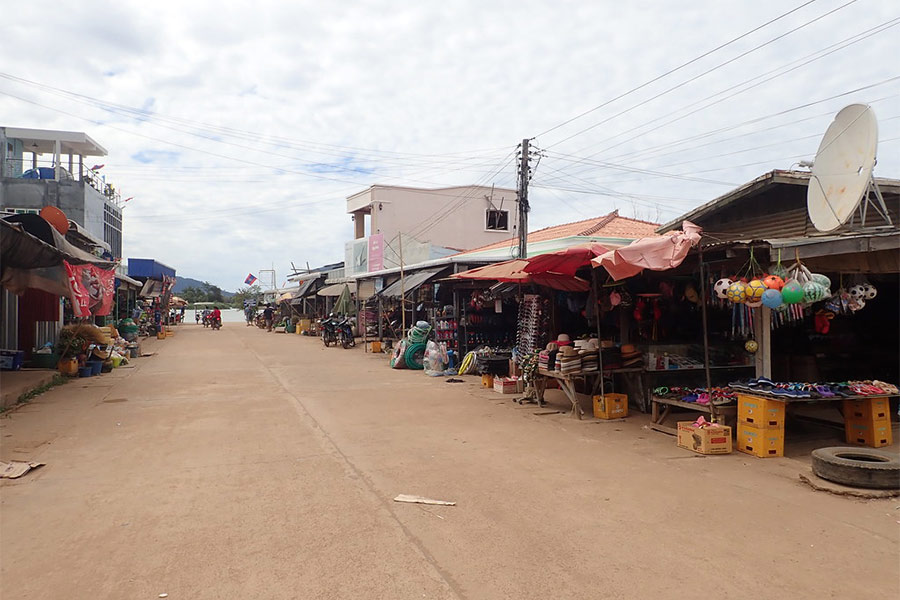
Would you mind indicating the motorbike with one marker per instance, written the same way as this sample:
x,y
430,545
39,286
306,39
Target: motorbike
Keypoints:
x,y
345,333
329,331
207,320
215,322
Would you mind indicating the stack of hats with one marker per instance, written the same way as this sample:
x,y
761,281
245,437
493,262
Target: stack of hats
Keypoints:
x,y
568,361
611,357
589,361
631,356
563,340
543,360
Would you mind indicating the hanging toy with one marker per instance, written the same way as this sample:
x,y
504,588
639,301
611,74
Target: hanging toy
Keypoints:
x,y
773,282
871,292
751,346
721,287
772,298
821,279
737,292
813,291
755,291
792,292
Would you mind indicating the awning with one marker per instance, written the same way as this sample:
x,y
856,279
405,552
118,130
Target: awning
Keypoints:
x,y
567,260
656,253
152,289
306,288
409,283
512,271
332,290
129,282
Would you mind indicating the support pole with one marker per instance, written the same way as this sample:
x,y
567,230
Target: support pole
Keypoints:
x,y
712,407
523,201
402,289
599,336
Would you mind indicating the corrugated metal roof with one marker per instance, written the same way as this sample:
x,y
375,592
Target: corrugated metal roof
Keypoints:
x,y
409,283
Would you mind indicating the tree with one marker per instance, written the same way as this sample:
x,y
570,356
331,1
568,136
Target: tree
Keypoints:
x,y
253,292
192,294
213,292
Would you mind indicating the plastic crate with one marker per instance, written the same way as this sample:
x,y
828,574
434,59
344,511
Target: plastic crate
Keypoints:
x,y
614,407
867,410
760,441
11,360
760,412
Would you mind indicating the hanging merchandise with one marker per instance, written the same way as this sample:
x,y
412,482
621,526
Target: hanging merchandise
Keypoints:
x,y
751,346
737,292
771,298
721,287
533,325
792,293
773,282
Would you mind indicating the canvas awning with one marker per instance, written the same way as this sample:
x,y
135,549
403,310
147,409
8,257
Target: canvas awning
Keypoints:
x,y
152,289
128,282
307,287
513,271
332,290
655,253
409,283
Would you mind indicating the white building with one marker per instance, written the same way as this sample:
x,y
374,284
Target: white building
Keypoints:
x,y
425,224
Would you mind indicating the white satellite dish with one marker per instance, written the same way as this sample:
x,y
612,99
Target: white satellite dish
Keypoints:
x,y
842,172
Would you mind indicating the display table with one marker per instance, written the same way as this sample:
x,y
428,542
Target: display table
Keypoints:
x,y
567,384
660,408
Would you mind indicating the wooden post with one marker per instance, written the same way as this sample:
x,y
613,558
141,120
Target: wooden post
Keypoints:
x,y
599,336
712,407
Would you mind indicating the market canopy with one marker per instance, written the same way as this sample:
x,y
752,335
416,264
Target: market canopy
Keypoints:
x,y
344,305
654,253
408,283
565,261
332,290
513,271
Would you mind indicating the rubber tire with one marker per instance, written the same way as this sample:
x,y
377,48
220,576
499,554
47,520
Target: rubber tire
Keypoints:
x,y
878,470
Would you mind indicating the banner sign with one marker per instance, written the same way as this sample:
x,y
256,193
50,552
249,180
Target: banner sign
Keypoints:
x,y
91,289
376,252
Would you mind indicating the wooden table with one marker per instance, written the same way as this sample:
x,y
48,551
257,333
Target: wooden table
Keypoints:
x,y
567,384
657,416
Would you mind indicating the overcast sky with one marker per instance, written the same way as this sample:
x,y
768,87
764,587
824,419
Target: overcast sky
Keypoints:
x,y
240,128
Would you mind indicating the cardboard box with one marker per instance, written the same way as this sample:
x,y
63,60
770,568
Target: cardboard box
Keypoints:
x,y
506,385
870,410
615,406
760,441
874,435
760,412
704,440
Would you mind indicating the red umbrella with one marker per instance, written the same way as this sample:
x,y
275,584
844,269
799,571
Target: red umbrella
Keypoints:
x,y
565,261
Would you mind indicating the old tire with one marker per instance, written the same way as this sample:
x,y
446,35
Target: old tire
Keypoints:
x,y
857,467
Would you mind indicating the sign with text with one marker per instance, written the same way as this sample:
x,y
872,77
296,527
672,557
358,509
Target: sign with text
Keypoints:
x,y
376,252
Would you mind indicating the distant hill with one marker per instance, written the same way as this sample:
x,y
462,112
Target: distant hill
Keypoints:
x,y
181,283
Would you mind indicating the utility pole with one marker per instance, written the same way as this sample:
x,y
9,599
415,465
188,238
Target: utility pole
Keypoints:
x,y
523,200
402,288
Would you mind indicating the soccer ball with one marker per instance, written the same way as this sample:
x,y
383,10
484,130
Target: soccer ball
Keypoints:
x,y
721,288
737,292
871,292
751,346
858,292
755,290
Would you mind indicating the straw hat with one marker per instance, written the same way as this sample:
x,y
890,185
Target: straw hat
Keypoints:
x,y
629,351
569,351
607,344
552,346
564,340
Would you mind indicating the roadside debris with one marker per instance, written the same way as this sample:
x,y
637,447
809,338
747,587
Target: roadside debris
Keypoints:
x,y
16,468
422,500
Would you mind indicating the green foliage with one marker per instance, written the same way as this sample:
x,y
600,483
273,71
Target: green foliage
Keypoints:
x,y
253,292
208,293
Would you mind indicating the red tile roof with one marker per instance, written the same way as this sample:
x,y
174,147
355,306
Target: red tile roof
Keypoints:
x,y
607,226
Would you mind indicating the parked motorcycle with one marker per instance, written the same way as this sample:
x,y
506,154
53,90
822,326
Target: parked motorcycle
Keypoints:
x,y
345,333
329,330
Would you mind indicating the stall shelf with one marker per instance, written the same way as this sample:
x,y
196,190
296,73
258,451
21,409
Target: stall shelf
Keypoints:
x,y
567,384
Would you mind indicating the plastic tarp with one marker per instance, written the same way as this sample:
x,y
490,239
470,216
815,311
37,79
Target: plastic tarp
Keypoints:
x,y
656,253
409,283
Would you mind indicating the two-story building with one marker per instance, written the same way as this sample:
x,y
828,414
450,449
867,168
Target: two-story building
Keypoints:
x,y
424,224
41,167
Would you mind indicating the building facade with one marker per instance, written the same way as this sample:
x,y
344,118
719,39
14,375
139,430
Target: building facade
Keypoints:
x,y
33,174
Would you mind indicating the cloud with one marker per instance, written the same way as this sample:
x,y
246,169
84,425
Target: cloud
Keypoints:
x,y
265,117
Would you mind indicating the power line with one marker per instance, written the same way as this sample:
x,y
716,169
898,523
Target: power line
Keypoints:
x,y
708,71
678,68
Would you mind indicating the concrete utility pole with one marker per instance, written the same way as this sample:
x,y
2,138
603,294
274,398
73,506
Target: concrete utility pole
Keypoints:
x,y
523,201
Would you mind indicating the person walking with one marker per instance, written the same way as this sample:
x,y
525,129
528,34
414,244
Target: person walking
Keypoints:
x,y
269,315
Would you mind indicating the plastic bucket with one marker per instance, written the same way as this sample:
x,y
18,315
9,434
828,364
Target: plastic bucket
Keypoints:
x,y
116,361
85,372
95,366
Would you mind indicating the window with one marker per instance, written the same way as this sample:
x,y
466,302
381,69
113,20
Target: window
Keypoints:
x,y
497,220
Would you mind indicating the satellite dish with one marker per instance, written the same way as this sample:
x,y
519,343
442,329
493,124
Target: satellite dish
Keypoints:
x,y
842,172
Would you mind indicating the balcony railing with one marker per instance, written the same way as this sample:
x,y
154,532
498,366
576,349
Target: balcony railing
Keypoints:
x,y
46,169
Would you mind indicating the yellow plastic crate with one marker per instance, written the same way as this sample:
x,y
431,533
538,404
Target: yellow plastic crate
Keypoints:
x,y
760,441
760,412
615,406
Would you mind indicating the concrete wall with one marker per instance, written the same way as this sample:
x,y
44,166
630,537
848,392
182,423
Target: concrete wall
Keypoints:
x,y
81,203
451,217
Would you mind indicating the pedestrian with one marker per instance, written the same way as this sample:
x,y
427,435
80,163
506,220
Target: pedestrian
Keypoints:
x,y
269,315
248,313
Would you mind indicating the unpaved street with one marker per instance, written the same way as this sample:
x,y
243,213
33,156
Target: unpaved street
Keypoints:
x,y
241,464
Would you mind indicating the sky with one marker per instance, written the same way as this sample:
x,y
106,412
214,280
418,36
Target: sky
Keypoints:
x,y
239,129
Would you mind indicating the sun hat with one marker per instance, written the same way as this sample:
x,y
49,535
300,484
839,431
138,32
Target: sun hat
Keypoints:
x,y
563,340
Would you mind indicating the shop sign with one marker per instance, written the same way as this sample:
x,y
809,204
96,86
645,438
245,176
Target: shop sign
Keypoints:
x,y
91,289
376,252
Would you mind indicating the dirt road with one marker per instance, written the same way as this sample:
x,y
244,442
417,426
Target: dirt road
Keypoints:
x,y
241,464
